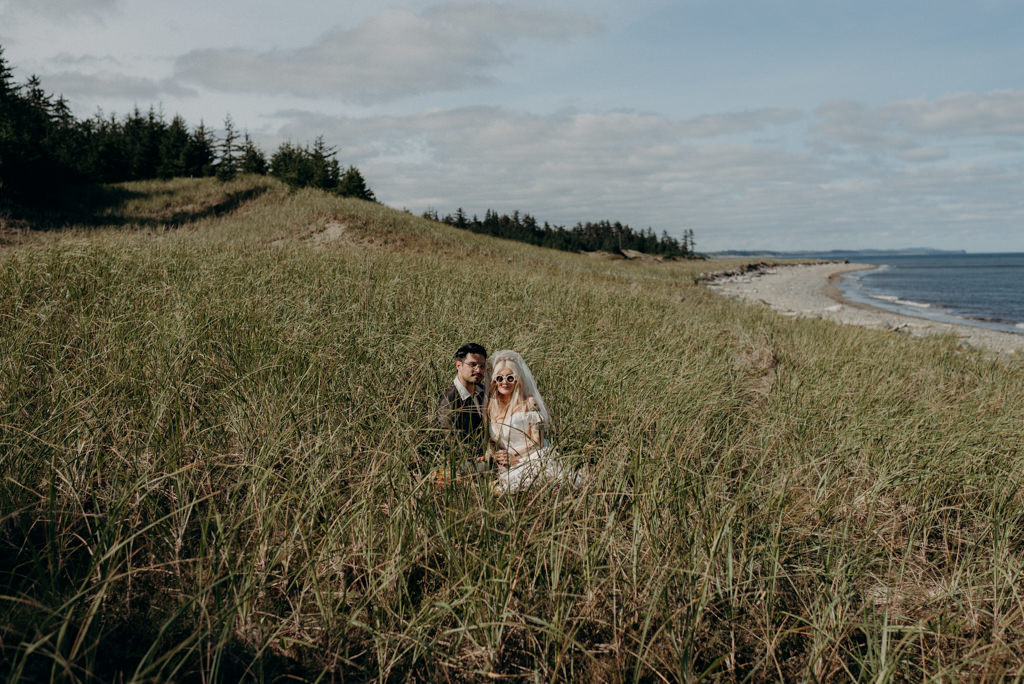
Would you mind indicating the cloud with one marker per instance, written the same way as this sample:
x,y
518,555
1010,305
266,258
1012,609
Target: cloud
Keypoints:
x,y
395,54
923,154
70,61
113,85
741,122
996,113
509,20
669,174
633,167
58,9
902,126
587,143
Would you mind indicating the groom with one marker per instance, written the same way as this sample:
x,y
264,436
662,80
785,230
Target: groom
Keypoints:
x,y
460,409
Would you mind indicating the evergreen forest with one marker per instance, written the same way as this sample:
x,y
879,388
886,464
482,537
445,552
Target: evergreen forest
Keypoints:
x,y
45,149
603,236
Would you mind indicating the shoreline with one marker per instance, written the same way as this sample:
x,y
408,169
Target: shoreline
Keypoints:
x,y
811,290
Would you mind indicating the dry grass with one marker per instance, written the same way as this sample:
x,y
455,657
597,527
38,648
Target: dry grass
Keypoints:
x,y
213,425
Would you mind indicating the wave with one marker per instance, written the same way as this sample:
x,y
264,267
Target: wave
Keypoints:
x,y
902,302
1019,325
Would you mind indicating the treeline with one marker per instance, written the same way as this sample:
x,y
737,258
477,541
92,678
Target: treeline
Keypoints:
x,y
44,147
583,237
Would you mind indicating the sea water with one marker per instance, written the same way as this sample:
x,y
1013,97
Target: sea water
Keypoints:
x,y
985,290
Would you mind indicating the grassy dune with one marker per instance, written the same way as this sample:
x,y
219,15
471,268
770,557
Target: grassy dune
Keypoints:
x,y
214,407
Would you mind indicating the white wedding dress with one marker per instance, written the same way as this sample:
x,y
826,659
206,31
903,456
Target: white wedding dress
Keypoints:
x,y
534,464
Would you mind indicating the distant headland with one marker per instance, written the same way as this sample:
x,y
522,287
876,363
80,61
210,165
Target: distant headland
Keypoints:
x,y
834,253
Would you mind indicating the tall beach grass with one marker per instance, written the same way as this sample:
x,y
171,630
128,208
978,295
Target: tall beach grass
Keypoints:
x,y
214,436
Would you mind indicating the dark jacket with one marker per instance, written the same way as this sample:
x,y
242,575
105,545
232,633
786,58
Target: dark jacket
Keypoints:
x,y
461,424
454,413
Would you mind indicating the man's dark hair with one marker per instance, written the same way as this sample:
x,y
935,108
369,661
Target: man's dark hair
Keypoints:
x,y
471,348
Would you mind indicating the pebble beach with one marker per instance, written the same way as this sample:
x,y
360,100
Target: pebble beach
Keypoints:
x,y
808,290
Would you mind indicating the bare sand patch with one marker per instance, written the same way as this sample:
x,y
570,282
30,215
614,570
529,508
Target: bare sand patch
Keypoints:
x,y
333,231
330,232
628,255
633,255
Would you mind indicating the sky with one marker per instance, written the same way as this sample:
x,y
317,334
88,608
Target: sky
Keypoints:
x,y
762,124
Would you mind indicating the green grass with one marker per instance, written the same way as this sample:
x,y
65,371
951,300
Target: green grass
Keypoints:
x,y
214,425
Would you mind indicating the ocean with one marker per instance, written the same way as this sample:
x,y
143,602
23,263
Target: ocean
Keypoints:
x,y
985,290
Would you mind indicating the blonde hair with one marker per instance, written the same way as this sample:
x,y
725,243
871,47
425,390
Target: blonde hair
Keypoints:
x,y
519,399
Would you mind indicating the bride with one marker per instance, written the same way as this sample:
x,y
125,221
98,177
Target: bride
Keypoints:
x,y
517,418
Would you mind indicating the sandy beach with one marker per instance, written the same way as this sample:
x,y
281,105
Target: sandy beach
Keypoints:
x,y
808,290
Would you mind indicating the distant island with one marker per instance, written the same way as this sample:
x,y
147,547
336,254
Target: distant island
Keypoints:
x,y
834,253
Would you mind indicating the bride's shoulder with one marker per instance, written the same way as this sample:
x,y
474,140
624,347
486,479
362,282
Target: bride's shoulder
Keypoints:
x,y
531,404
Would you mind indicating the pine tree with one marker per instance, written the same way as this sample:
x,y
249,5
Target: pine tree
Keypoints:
x,y
287,165
8,121
36,110
65,142
227,163
36,96
199,152
173,149
253,160
325,170
352,184
8,88
151,133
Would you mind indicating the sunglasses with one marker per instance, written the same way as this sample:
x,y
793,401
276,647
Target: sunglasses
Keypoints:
x,y
507,378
